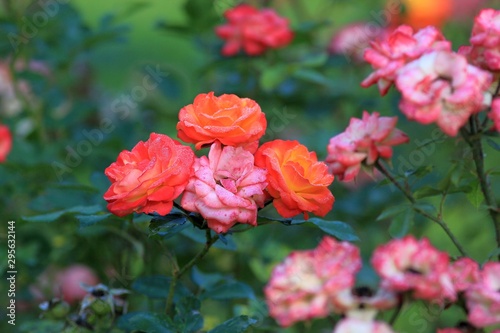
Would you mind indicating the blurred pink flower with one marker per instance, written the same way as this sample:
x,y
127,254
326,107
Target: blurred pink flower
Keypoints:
x,y
352,40
495,113
353,325
301,286
253,30
449,330
483,298
5,142
485,41
226,188
389,54
442,87
364,140
464,273
410,265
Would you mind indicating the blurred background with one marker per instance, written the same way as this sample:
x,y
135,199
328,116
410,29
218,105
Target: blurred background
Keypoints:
x,y
82,80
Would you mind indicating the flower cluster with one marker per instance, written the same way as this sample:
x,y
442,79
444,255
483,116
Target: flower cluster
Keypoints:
x,y
230,184
364,141
314,283
253,30
438,85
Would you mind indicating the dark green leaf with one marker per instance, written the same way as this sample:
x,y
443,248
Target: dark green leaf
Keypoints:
x,y
235,325
392,211
145,322
205,280
199,236
475,195
157,286
493,144
426,207
188,318
88,220
338,229
168,226
401,224
427,191
42,326
51,217
229,290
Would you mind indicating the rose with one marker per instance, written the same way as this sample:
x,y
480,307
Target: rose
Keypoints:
x,y
442,87
5,142
389,54
297,181
150,177
226,188
364,140
231,120
253,30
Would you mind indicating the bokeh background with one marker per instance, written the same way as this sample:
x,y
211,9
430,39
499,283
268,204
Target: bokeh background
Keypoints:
x,y
78,97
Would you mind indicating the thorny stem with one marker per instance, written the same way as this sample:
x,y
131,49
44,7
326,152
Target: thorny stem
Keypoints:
x,y
474,141
179,272
411,198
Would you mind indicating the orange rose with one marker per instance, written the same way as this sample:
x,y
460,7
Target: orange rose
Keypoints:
x,y
150,177
421,13
231,120
297,181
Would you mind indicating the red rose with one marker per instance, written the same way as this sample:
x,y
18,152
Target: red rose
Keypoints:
x,y
5,142
150,177
253,30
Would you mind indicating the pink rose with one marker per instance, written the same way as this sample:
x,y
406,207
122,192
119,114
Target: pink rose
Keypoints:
x,y
464,273
364,141
495,113
389,54
485,40
226,188
483,298
410,265
442,87
301,286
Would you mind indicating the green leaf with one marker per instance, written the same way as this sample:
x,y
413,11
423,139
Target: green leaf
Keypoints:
x,y
205,280
493,144
235,325
272,77
338,229
312,76
157,287
427,191
229,290
401,224
475,195
314,60
495,253
188,318
199,236
426,207
168,226
88,220
42,326
392,211
145,322
51,217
